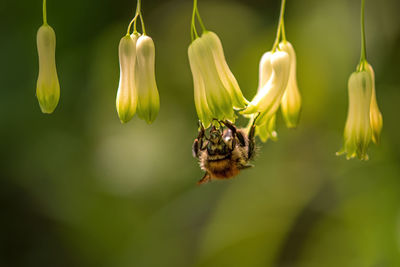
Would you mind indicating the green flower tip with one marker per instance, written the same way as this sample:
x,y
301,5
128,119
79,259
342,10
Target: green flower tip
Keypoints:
x,y
267,131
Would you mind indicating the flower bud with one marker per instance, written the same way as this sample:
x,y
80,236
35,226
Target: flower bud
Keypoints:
x,y
291,99
375,114
127,96
357,133
47,86
217,96
268,98
148,98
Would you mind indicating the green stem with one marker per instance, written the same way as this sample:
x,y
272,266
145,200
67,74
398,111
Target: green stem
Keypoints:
x,y
44,13
283,30
134,27
363,57
142,22
134,19
280,26
193,31
138,7
200,20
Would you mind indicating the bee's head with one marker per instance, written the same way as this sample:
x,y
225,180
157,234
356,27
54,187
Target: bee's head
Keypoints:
x,y
215,135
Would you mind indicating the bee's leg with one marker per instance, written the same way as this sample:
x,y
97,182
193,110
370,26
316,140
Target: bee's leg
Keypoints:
x,y
233,144
206,179
195,149
235,132
252,141
198,142
246,166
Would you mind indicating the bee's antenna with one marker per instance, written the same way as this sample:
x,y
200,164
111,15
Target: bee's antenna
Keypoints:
x,y
255,119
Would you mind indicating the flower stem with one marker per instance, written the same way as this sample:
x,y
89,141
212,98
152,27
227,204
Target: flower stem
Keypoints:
x,y
134,19
363,57
44,12
142,22
281,27
138,7
283,30
200,20
193,31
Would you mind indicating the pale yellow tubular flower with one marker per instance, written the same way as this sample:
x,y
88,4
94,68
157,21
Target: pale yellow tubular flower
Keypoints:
x,y
264,70
267,130
203,112
268,98
375,114
148,98
218,98
291,100
264,73
126,100
225,74
357,133
47,86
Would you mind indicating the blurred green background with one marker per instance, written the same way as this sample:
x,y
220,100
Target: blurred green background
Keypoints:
x,y
77,188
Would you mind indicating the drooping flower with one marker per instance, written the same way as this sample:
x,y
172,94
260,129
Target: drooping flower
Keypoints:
x,y
291,99
268,98
148,97
200,99
267,130
364,119
375,114
357,133
226,75
47,86
216,90
127,94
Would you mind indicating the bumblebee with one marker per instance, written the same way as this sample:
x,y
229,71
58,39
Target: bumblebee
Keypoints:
x,y
225,152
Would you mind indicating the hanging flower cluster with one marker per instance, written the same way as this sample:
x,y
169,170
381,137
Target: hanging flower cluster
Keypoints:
x,y
216,91
277,87
217,94
137,90
47,86
357,133
364,119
